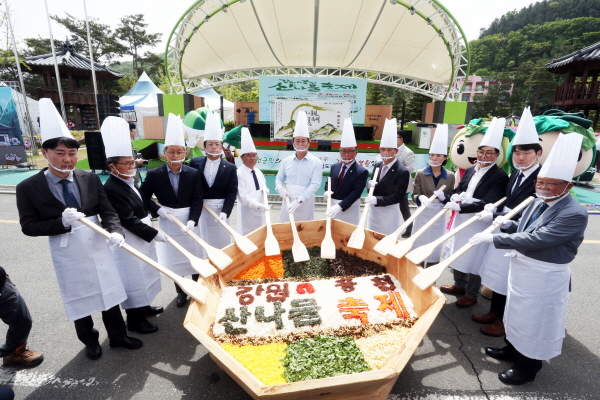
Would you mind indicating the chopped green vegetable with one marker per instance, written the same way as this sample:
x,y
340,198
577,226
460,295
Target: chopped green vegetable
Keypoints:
x,y
322,357
314,267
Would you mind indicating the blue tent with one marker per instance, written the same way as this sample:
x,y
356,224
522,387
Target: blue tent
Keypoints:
x,y
143,86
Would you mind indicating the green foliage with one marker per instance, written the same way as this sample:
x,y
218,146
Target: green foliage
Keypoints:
x,y
414,108
243,91
132,31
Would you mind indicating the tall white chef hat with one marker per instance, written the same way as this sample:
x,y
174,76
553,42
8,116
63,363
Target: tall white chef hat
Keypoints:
x,y
301,129
439,144
389,137
562,160
174,135
493,136
247,142
51,123
348,137
526,132
115,135
212,129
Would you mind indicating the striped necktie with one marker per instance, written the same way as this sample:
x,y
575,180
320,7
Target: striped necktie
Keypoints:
x,y
70,199
539,212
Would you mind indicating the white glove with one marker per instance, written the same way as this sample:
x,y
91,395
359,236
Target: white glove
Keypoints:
x,y
485,216
371,200
283,192
192,140
371,183
327,194
424,200
223,216
160,237
263,207
70,215
189,225
452,206
163,213
293,206
490,207
266,189
482,237
502,221
116,239
333,211
440,195
455,197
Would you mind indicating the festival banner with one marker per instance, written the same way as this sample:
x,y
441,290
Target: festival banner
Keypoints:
x,y
245,112
12,146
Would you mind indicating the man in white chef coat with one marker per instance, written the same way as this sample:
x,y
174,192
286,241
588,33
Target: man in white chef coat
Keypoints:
x,y
543,243
299,176
251,185
50,203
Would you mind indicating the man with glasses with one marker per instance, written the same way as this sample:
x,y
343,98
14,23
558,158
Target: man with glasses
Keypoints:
x,y
348,180
544,242
526,152
481,184
219,183
178,190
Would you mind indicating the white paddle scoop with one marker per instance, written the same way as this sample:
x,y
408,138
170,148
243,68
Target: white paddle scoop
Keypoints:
x,y
201,266
242,242
327,245
299,251
419,254
217,256
271,243
193,289
385,245
357,239
431,274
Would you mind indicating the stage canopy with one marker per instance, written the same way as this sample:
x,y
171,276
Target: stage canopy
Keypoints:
x,y
414,44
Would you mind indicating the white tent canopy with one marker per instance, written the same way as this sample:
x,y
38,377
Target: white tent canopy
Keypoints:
x,y
415,45
212,100
141,98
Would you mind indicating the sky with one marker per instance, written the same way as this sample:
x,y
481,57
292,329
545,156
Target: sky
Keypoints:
x,y
29,16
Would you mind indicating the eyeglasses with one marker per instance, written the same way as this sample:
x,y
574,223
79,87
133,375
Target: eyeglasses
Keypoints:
x,y
549,185
128,164
523,153
486,153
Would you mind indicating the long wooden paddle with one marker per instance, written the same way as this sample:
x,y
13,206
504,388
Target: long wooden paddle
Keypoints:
x,y
357,239
431,274
419,254
385,245
327,245
299,250
271,243
242,242
216,256
201,266
193,289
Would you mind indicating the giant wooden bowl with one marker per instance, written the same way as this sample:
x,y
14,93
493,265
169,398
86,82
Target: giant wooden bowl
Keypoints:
x,y
373,385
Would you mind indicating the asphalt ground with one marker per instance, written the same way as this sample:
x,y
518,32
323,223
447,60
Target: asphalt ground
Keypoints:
x,y
450,363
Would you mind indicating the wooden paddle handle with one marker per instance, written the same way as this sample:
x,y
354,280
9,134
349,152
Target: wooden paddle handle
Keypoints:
x,y
511,213
420,209
292,220
328,223
218,218
363,217
188,231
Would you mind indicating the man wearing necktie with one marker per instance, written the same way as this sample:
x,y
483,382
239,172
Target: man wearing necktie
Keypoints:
x,y
405,157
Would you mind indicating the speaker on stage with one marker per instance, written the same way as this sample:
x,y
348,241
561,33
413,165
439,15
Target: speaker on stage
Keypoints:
x,y
95,150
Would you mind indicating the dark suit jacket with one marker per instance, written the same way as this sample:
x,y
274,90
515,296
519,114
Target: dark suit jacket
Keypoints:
x,y
525,189
490,189
392,187
225,185
189,193
353,184
40,212
130,208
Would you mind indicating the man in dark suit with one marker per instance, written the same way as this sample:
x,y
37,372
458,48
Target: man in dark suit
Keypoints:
x,y
50,203
178,190
348,180
219,183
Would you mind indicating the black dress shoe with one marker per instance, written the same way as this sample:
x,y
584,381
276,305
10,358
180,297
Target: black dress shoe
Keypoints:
x,y
143,327
150,311
181,300
504,353
93,351
128,342
513,376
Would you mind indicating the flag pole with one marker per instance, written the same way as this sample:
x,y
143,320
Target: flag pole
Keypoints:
x,y
58,84
89,38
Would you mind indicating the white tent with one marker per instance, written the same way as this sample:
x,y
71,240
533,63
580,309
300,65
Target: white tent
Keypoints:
x,y
212,100
141,99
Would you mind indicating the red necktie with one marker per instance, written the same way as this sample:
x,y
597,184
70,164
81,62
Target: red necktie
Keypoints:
x,y
341,177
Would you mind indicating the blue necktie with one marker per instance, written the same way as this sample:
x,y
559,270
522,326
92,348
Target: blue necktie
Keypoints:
x,y
518,182
539,212
255,180
70,199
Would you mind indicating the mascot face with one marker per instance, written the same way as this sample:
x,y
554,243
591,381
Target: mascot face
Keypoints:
x,y
463,150
548,139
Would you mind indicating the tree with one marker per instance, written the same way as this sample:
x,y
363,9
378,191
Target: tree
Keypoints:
x,y
243,91
132,30
414,108
375,94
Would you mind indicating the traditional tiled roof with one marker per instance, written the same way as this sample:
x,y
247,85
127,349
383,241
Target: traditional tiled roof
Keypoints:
x,y
590,53
70,58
